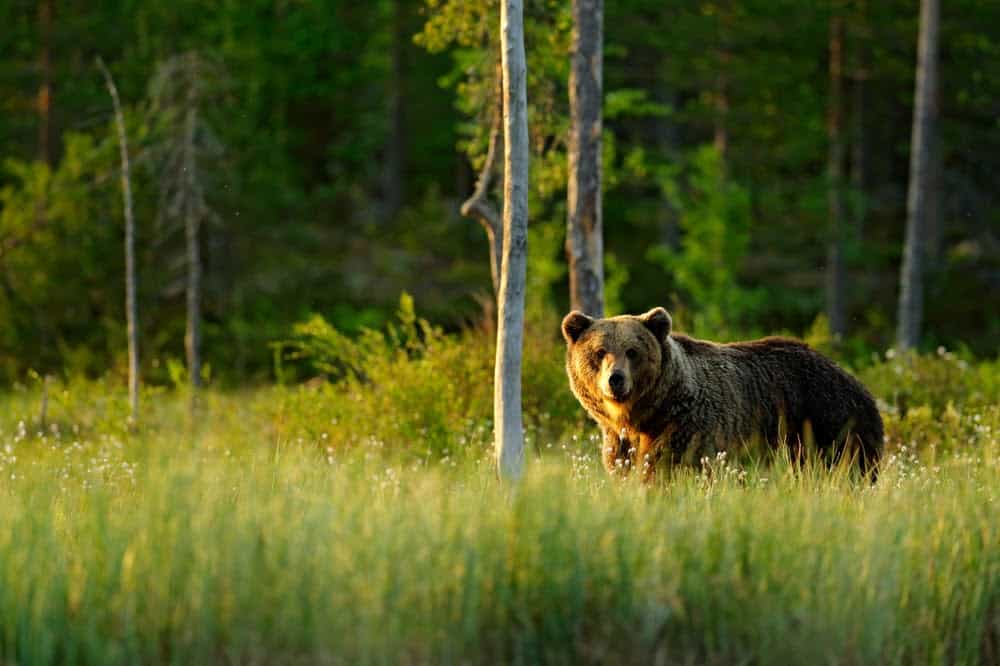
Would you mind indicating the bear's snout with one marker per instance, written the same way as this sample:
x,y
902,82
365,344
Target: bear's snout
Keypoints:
x,y
616,381
618,385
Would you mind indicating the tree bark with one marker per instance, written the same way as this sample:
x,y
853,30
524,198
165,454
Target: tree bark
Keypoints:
x,y
192,337
45,141
925,114
584,232
835,278
131,308
933,218
509,433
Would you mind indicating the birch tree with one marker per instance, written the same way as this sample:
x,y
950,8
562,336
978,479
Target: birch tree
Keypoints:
x,y
507,416
584,227
925,114
131,308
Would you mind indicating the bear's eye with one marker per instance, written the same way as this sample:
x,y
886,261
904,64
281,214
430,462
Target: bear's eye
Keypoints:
x,y
601,354
632,354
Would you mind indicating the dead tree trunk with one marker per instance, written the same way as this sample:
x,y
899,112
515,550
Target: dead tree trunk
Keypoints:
x,y
934,217
507,417
924,128
584,228
192,225
835,305
181,91
131,308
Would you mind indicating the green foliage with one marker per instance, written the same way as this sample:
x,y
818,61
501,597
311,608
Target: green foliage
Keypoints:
x,y
302,225
616,276
546,269
714,219
413,390
59,293
632,102
934,381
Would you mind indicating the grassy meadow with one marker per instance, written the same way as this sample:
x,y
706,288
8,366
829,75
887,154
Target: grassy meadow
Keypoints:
x,y
358,521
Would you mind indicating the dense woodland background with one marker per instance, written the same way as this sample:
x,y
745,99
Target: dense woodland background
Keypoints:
x,y
336,141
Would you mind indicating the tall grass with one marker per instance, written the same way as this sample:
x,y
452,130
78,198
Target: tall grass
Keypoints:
x,y
223,545
357,521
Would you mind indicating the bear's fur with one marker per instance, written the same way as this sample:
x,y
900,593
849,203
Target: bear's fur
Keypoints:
x,y
658,395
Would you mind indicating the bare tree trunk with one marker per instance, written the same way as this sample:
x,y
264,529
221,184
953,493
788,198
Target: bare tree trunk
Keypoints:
x,y
507,415
924,129
131,308
835,306
45,142
584,232
192,224
394,149
933,218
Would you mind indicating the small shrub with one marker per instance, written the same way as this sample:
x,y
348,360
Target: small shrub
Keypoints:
x,y
413,389
912,380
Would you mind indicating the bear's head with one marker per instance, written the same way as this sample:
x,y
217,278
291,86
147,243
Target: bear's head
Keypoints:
x,y
618,359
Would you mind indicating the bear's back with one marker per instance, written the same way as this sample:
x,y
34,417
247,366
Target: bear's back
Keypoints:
x,y
787,387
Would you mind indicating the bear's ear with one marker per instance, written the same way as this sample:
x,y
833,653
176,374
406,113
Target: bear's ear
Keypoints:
x,y
658,322
574,324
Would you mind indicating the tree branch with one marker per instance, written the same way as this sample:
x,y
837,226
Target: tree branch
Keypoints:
x,y
479,206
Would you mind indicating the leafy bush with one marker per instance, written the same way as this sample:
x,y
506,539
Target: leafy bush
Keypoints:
x,y
413,389
912,380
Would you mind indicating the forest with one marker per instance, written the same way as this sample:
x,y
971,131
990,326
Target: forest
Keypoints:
x,y
282,376
335,144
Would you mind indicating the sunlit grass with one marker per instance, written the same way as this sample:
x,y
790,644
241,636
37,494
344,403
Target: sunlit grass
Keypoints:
x,y
245,540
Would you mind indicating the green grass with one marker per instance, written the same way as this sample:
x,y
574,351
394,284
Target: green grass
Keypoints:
x,y
325,525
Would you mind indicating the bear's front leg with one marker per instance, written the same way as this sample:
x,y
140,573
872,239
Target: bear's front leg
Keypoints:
x,y
653,451
615,452
650,451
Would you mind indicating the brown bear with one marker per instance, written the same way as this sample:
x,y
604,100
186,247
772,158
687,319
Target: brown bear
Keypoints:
x,y
659,395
